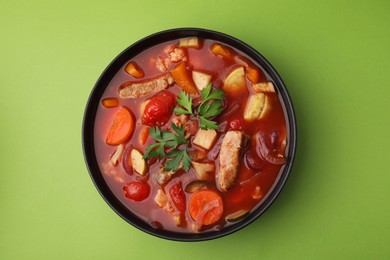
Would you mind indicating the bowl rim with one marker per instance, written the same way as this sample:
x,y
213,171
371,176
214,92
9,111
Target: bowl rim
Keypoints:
x,y
89,122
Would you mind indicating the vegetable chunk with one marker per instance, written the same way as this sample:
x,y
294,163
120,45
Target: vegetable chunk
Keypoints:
x,y
201,79
202,169
134,70
138,162
205,138
192,42
183,78
235,82
257,107
206,207
122,127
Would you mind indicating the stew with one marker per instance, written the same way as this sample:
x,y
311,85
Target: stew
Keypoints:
x,y
191,135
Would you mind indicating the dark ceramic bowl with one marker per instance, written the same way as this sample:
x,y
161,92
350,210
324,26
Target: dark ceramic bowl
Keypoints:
x,y
89,122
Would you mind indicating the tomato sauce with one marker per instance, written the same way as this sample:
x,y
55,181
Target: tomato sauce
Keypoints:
x,y
256,175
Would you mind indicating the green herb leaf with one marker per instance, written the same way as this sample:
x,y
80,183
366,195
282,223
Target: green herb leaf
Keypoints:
x,y
207,124
211,106
181,111
185,101
214,108
208,95
166,140
206,91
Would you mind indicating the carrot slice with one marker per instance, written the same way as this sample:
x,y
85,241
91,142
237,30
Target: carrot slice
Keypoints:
x,y
224,51
183,78
122,127
144,135
134,70
110,102
253,74
206,207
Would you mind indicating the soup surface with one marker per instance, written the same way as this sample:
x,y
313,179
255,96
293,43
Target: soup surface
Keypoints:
x,y
191,135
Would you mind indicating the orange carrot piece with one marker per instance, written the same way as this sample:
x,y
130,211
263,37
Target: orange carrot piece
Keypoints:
x,y
253,74
110,102
134,70
224,51
122,127
206,207
183,78
143,137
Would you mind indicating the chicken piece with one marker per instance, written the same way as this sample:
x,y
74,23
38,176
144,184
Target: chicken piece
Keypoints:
x,y
138,89
264,87
190,126
177,54
161,200
180,120
162,176
229,160
163,64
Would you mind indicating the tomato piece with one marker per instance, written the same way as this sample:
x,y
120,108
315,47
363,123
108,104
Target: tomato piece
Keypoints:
x,y
178,197
122,127
159,109
137,190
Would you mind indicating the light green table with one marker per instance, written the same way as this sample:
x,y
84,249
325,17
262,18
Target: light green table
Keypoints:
x,y
334,58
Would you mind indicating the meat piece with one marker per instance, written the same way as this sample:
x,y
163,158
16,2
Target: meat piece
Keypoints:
x,y
180,120
162,176
229,159
177,54
138,89
190,126
163,64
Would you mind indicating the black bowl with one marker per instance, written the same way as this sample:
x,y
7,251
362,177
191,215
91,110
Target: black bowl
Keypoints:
x,y
89,122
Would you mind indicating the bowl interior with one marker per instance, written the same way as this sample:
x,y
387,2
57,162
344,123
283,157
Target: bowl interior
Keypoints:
x,y
104,80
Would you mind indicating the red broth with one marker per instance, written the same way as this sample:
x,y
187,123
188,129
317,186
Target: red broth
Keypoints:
x,y
256,175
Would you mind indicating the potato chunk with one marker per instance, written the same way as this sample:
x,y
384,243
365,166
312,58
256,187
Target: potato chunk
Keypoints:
x,y
201,79
192,42
202,169
257,107
205,138
138,162
235,82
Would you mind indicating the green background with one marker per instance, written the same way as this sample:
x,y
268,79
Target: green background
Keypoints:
x,y
334,58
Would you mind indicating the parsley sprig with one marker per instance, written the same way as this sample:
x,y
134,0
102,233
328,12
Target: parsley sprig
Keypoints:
x,y
171,146
210,106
